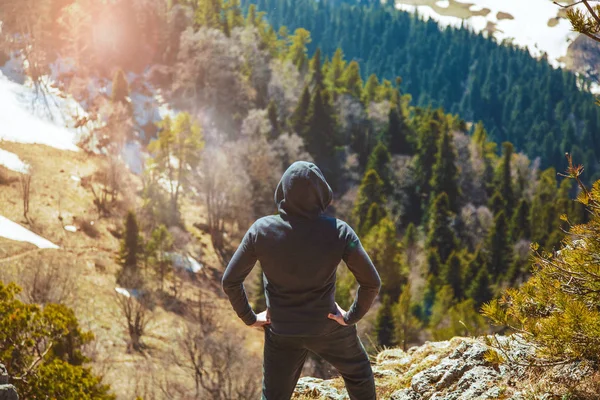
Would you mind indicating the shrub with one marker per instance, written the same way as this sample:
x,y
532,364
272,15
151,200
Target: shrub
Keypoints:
x,y
557,309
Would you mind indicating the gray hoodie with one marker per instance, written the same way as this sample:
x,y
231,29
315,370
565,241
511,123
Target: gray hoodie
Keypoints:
x,y
299,251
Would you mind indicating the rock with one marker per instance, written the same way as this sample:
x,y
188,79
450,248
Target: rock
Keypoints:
x,y
318,388
456,370
3,375
406,394
7,392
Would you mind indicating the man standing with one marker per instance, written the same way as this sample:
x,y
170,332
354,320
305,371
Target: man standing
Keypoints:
x,y
299,250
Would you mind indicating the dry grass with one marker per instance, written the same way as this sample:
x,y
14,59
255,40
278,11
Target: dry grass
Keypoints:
x,y
57,200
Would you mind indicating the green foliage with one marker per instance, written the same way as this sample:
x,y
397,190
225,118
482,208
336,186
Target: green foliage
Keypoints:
x,y
344,285
543,215
385,250
557,308
260,301
176,154
479,288
449,319
406,324
444,177
43,345
320,136
379,161
440,235
452,273
504,179
384,323
316,69
300,114
208,13
297,50
398,133
520,224
157,251
476,77
371,191
498,247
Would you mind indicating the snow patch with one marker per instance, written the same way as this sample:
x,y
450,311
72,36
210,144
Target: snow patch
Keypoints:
x,y
529,28
13,162
25,119
13,231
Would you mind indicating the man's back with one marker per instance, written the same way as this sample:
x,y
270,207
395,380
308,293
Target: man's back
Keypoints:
x,y
299,251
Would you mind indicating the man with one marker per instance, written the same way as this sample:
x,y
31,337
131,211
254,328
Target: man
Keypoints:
x,y
299,251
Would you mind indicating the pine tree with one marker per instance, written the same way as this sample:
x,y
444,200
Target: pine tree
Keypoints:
x,y
479,288
352,81
429,295
370,192
397,133
558,306
428,134
316,70
335,72
382,245
543,217
445,173
486,151
406,325
452,273
298,120
444,299
410,244
384,324
497,203
379,160
440,235
320,137
208,14
297,51
434,264
370,90
129,255
504,179
157,249
235,18
498,248
520,224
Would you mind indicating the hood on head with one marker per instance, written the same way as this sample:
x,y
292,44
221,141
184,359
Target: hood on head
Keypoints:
x,y
303,191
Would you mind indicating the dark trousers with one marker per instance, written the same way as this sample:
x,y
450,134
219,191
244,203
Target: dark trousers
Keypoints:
x,y
284,358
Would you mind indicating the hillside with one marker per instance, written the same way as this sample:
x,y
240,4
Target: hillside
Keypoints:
x,y
140,139
81,272
464,71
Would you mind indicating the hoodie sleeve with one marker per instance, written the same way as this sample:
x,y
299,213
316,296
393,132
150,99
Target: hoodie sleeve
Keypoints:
x,y
359,263
238,269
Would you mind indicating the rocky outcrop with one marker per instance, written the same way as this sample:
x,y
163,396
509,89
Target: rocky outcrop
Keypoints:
x,y
7,391
458,369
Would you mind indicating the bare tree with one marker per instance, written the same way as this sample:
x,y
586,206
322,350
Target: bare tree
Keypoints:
x,y
136,310
221,367
224,186
25,186
48,278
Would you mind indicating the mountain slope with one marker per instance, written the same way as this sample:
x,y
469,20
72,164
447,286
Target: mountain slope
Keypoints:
x,y
519,98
